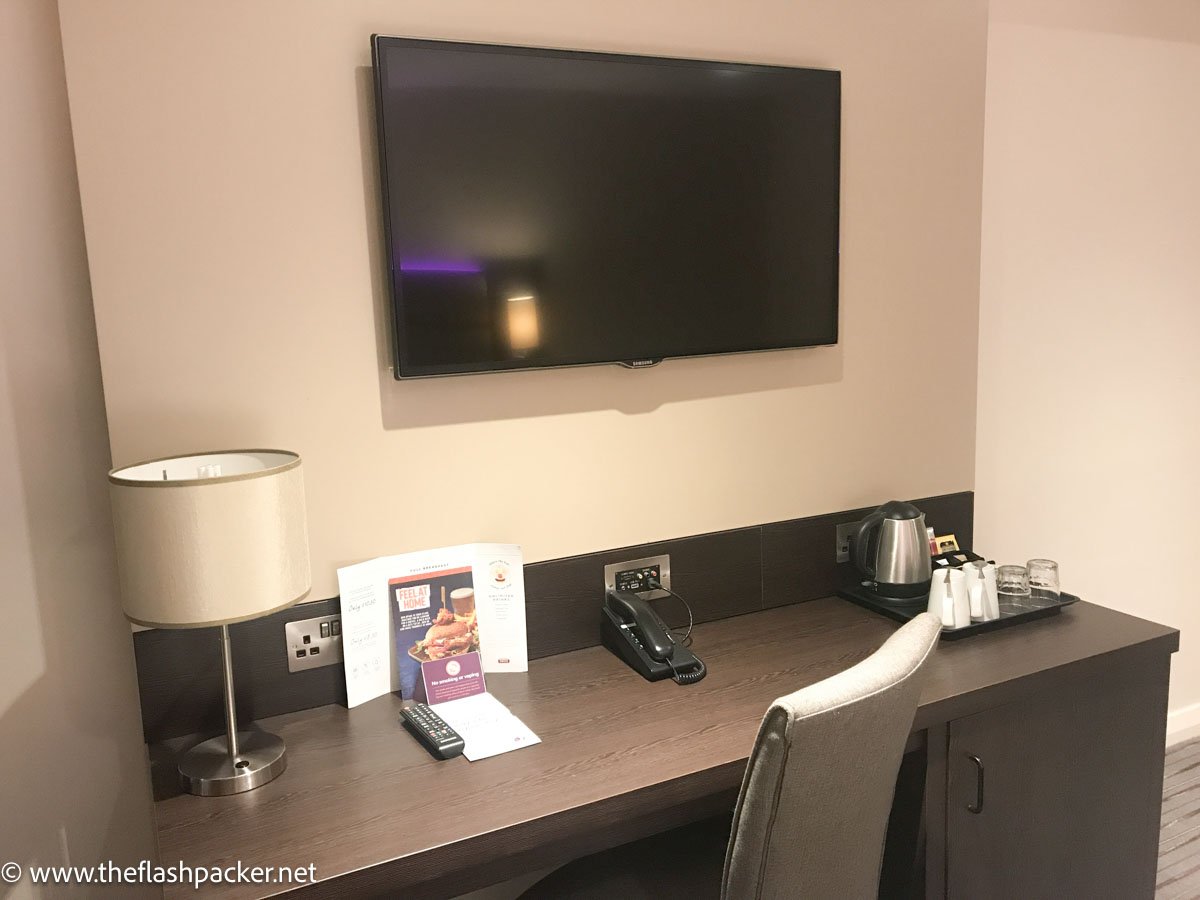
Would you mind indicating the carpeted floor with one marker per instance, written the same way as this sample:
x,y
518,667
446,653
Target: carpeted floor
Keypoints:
x,y
1179,846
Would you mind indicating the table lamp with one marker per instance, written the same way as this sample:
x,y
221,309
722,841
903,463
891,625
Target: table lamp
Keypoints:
x,y
208,540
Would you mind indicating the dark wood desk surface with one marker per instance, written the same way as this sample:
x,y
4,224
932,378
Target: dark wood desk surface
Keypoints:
x,y
620,757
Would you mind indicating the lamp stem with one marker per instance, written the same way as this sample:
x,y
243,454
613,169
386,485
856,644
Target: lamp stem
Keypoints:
x,y
230,709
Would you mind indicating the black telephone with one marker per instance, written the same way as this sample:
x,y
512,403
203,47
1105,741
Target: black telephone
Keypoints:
x,y
631,630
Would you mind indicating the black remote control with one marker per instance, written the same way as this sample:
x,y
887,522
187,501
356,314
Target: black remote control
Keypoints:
x,y
437,737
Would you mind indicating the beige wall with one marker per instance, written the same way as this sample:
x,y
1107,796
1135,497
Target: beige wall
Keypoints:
x,y
1090,306
74,788
226,161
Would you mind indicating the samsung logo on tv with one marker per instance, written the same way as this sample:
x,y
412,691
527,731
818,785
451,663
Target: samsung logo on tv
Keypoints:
x,y
640,363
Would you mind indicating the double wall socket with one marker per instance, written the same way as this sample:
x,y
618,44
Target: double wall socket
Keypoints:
x,y
635,575
844,533
312,643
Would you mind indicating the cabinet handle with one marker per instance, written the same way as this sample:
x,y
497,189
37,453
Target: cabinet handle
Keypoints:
x,y
977,807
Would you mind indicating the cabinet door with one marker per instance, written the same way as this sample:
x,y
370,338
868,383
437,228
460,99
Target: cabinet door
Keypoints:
x,y
1071,791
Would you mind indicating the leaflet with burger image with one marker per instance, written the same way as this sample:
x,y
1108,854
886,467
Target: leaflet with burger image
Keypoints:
x,y
412,609
433,617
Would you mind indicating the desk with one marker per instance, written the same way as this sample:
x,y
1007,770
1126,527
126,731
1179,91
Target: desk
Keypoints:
x,y
621,758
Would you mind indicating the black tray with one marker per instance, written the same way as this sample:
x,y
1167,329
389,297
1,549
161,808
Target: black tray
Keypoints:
x,y
1010,613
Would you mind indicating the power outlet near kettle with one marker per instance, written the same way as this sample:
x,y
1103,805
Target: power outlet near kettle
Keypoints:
x,y
844,533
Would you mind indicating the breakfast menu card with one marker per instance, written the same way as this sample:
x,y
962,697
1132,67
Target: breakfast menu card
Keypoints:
x,y
406,618
434,620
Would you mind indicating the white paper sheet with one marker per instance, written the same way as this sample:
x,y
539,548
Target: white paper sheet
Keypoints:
x,y
499,575
368,652
486,725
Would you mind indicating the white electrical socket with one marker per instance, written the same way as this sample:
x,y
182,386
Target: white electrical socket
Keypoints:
x,y
631,575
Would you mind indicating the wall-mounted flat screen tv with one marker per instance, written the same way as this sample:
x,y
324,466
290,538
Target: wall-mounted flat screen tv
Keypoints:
x,y
552,208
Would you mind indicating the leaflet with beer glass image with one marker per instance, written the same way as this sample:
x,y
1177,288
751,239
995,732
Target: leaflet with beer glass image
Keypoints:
x,y
434,621
437,637
455,613
454,628
490,619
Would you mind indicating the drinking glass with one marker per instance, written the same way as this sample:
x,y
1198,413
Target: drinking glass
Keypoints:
x,y
463,602
1043,579
1012,585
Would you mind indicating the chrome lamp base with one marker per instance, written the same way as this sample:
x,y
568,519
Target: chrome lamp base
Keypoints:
x,y
208,770
236,761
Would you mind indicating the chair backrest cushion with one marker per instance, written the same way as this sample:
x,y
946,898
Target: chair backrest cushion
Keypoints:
x,y
813,811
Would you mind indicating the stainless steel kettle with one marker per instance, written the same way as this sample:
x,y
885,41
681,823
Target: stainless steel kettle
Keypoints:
x,y
891,549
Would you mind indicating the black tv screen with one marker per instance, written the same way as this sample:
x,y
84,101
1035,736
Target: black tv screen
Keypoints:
x,y
553,208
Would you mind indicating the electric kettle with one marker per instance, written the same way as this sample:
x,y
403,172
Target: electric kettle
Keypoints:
x,y
891,549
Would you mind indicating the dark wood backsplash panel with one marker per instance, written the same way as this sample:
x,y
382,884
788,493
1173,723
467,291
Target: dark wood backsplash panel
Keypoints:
x,y
723,574
719,574
179,675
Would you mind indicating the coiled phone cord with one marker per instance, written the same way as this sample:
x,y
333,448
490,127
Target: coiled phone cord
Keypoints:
x,y
688,677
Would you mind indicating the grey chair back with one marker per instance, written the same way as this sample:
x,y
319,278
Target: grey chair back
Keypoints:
x,y
813,811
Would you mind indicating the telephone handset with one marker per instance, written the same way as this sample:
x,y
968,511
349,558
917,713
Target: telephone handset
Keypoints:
x,y
632,630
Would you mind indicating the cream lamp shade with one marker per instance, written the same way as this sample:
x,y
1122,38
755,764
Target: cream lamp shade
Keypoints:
x,y
210,538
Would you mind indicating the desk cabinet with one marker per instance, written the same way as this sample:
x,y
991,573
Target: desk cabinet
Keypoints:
x,y
1065,798
1068,717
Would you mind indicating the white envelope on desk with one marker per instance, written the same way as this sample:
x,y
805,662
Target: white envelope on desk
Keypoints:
x,y
486,725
